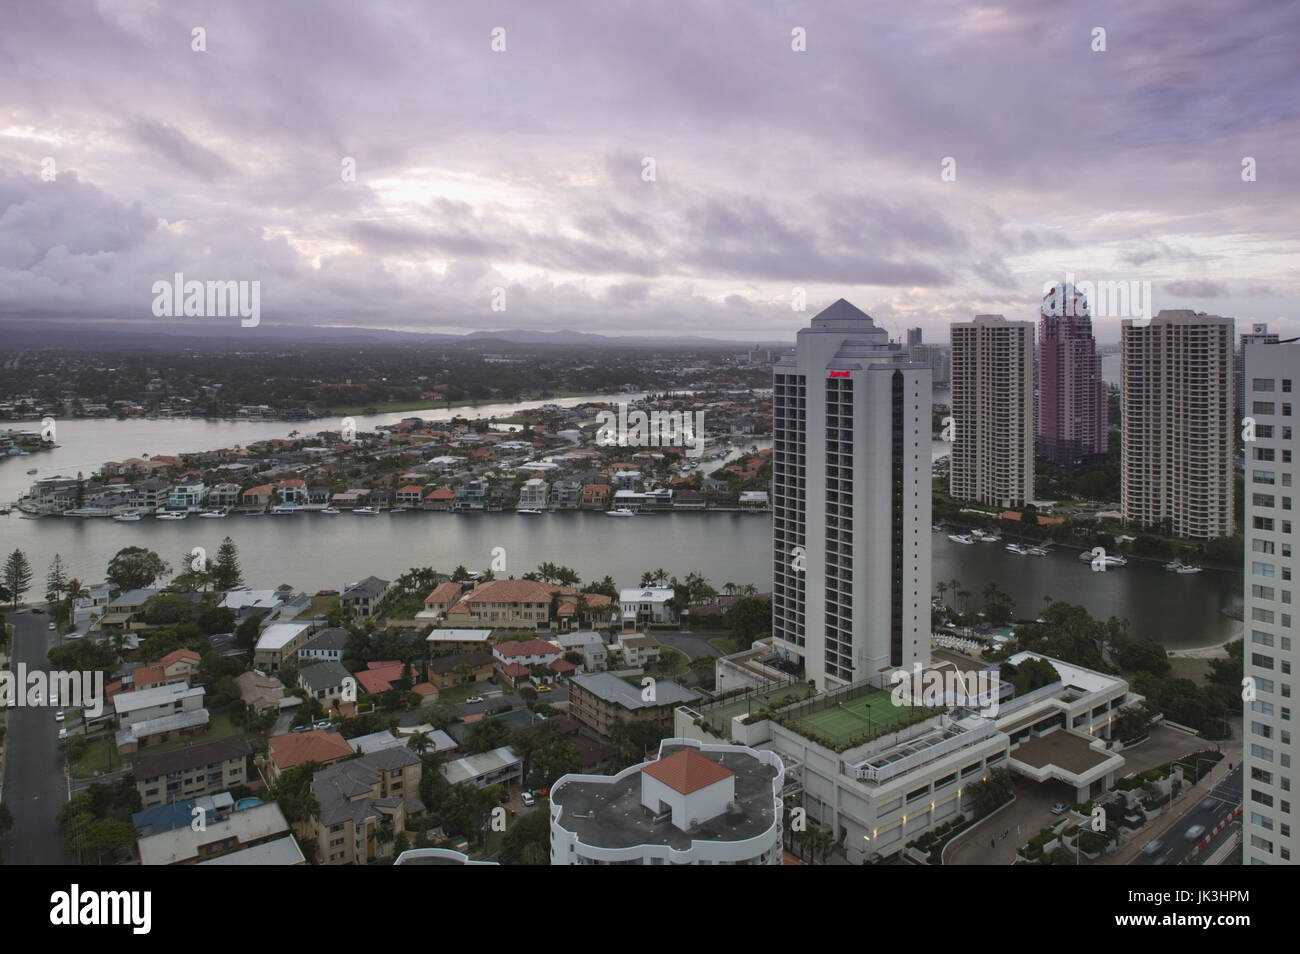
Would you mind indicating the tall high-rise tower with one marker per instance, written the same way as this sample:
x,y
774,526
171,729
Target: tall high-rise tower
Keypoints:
x,y
1179,428
1258,334
993,411
851,495
1272,755
1072,416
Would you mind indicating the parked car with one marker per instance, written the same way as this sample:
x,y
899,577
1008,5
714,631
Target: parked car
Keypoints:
x,y
59,716
528,800
38,611
63,734
1152,847
1059,808
474,699
302,728
1195,832
323,724
52,626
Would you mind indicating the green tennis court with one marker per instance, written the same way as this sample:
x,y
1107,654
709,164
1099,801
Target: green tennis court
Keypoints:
x,y
870,714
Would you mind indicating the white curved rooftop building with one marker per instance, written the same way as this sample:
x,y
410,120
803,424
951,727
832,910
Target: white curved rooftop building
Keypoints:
x,y
694,804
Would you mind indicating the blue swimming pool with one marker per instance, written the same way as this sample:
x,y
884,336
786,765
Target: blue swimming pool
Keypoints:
x,y
247,803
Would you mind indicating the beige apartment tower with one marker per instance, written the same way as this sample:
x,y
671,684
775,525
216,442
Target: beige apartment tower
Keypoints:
x,y
1178,424
992,459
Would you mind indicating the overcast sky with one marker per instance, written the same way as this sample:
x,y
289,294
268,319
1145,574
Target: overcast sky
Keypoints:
x,y
525,169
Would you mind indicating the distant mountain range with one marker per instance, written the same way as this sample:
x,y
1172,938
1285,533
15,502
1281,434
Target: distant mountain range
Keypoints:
x,y
203,334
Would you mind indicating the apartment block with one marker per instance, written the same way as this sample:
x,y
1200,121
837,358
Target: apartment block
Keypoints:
x,y
1272,372
1178,424
993,411
195,770
851,501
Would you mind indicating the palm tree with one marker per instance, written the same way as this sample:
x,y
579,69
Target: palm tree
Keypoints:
x,y
419,742
942,587
749,589
964,596
729,588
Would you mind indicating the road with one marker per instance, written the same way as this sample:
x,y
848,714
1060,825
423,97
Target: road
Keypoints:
x,y
35,787
1209,810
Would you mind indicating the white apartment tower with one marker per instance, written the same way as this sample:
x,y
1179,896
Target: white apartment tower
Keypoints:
x,y
993,411
851,501
1178,424
1272,758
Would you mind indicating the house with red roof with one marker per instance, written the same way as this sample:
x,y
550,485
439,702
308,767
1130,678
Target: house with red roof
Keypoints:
x,y
286,751
440,499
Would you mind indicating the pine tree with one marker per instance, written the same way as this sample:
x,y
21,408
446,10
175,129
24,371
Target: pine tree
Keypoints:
x,y
17,575
225,569
56,581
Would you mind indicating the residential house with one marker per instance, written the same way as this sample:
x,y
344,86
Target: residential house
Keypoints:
x,y
361,599
150,716
533,494
187,495
443,598
460,668
258,497
594,497
327,644
293,490
649,604
279,643
260,692
361,798
410,496
200,769
638,650
471,494
504,604
224,495
442,641
292,749
441,498
589,645
325,682
566,494
500,766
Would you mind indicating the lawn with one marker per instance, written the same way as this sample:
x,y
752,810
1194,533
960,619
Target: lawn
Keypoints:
x,y
726,645
320,606
458,694
1197,670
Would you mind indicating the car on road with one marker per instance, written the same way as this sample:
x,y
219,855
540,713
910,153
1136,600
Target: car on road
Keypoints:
x,y
543,688
1152,847
52,626
59,716
474,699
1059,808
528,800
302,728
38,611
1196,831
63,734
323,724
1208,804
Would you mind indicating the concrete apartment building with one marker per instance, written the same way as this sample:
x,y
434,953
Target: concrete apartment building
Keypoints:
x,y
993,411
202,769
150,716
241,830
1179,428
279,643
1258,334
1271,660
694,804
851,501
600,700
360,798
1072,405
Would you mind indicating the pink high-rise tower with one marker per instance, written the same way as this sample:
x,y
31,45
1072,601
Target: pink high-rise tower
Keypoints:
x,y
1072,418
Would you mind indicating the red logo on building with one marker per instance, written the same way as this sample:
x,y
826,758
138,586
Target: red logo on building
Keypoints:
x,y
839,374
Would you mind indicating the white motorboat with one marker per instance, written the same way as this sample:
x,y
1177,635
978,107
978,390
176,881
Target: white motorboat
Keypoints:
x,y
172,516
1019,549
620,512
212,514
366,511
329,510
532,512
1037,551
398,510
127,516
1190,569
1110,559
983,537
960,538
1178,566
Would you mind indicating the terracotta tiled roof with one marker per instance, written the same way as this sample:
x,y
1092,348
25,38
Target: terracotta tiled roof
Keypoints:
x,y
443,593
295,748
176,655
687,771
515,670
531,647
510,591
442,493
